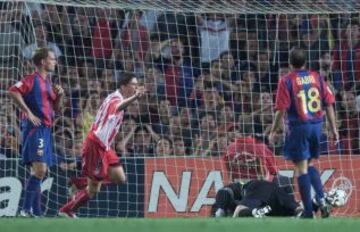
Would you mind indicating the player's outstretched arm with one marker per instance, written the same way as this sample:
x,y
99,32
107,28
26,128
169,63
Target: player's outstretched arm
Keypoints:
x,y
19,101
140,91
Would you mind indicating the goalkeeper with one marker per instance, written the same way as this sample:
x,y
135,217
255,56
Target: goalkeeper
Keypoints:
x,y
258,198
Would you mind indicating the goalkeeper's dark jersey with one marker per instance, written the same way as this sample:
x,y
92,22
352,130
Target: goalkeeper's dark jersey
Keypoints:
x,y
256,194
259,193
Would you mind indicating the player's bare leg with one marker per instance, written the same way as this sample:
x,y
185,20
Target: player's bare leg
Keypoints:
x,y
116,174
93,187
32,201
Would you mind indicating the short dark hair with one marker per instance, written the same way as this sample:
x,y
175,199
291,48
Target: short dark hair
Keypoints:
x,y
126,78
297,57
40,54
164,137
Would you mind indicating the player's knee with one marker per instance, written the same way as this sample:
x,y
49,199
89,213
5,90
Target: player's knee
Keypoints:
x,y
118,179
117,175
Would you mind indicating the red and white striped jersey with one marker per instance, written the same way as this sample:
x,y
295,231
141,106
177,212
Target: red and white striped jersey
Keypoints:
x,y
108,119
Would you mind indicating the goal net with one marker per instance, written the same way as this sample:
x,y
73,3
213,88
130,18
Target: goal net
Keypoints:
x,y
211,69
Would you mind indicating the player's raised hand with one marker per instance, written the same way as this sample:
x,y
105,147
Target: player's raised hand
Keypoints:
x,y
59,91
140,91
33,119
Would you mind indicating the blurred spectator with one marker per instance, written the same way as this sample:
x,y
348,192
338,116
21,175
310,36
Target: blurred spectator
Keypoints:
x,y
154,84
177,129
179,147
126,136
9,139
263,119
7,74
266,71
144,141
40,40
135,37
101,36
288,35
204,140
149,19
314,35
326,63
164,147
212,101
82,37
347,57
227,64
57,22
11,40
225,119
63,142
178,72
172,25
219,145
225,87
350,124
214,36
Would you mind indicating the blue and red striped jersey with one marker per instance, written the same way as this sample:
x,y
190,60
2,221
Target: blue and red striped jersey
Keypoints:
x,y
38,96
303,94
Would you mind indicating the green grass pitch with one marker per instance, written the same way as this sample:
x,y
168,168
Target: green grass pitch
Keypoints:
x,y
179,225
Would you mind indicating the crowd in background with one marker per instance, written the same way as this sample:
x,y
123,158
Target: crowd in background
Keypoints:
x,y
210,77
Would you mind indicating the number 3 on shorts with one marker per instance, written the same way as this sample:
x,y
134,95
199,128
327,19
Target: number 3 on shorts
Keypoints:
x,y
41,143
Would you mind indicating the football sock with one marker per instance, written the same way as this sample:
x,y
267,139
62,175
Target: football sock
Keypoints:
x,y
305,192
30,192
79,200
36,204
316,183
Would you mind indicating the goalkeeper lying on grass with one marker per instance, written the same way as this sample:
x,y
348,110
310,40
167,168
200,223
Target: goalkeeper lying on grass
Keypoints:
x,y
258,198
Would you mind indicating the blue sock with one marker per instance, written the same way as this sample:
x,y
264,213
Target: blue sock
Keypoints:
x,y
305,192
36,204
316,183
30,192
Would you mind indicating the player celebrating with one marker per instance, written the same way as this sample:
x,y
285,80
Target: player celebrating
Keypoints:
x,y
99,161
304,95
37,100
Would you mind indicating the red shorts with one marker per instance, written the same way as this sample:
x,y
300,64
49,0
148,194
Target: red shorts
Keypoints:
x,y
96,160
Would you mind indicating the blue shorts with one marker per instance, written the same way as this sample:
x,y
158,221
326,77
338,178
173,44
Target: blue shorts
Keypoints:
x,y
303,142
37,144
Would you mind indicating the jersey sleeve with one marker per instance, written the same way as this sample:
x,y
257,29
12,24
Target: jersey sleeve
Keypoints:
x,y
270,161
328,96
283,100
23,87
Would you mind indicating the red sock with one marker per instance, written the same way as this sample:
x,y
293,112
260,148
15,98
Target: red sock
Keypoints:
x,y
79,200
